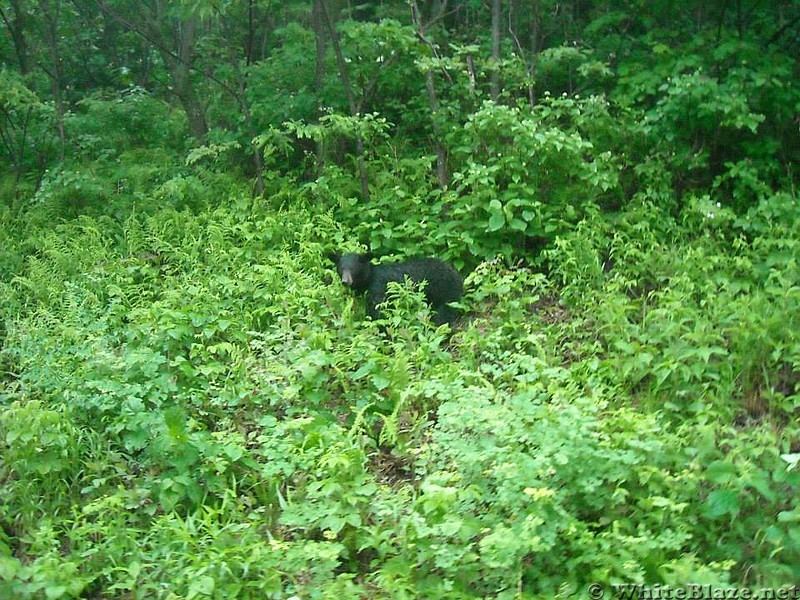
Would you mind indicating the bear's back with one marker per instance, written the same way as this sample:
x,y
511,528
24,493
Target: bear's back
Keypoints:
x,y
444,283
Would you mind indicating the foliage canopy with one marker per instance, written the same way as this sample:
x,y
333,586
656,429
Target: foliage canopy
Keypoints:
x,y
191,407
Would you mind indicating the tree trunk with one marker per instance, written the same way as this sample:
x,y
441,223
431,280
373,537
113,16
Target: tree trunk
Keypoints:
x,y
174,40
180,66
496,18
51,18
351,100
442,174
318,20
258,160
534,44
16,26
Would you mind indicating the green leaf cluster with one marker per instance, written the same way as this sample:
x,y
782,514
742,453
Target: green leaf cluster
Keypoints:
x,y
193,406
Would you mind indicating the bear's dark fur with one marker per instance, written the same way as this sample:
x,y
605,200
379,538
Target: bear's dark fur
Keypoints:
x,y
444,283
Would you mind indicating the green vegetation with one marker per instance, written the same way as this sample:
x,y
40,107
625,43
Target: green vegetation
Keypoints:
x,y
191,406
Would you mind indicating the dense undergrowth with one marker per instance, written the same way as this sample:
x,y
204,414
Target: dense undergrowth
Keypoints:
x,y
192,406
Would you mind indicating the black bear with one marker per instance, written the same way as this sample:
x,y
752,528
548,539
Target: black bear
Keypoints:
x,y
443,283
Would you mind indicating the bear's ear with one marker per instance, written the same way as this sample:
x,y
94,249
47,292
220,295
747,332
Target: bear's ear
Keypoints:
x,y
333,257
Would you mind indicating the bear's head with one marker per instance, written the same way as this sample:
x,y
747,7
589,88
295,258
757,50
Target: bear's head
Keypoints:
x,y
355,269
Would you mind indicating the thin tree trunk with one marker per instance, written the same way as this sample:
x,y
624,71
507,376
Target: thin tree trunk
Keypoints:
x,y
51,18
495,80
174,40
351,100
442,174
16,26
180,69
258,159
534,44
241,94
318,20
